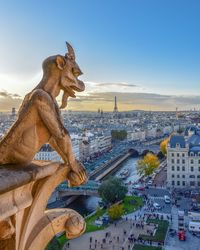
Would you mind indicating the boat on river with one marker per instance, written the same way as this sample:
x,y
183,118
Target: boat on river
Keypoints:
x,y
124,174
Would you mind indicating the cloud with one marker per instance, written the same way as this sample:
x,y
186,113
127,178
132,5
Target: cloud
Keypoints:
x,y
131,101
92,86
120,84
91,101
5,94
8,100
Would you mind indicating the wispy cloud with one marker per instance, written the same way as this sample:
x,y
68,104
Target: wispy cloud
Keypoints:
x,y
120,84
92,86
5,94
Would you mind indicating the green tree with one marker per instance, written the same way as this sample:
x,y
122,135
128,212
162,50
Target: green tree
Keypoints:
x,y
112,190
147,165
116,211
163,146
119,135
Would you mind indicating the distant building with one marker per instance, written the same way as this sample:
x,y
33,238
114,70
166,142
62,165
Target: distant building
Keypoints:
x,y
13,111
84,149
183,159
93,145
75,147
47,153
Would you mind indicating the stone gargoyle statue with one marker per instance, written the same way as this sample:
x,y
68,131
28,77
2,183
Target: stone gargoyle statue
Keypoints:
x,y
39,122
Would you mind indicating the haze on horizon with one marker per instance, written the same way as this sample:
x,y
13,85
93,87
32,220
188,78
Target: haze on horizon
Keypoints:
x,y
147,53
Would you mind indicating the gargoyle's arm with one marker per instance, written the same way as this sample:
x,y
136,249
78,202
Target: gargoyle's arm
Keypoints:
x,y
51,119
59,136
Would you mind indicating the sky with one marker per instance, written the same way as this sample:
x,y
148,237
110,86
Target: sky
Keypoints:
x,y
145,52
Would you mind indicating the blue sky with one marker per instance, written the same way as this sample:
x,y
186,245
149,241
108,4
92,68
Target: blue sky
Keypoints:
x,y
153,45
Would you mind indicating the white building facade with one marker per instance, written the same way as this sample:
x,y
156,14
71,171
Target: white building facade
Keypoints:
x,y
47,153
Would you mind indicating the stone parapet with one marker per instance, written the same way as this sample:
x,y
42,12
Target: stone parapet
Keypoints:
x,y
24,193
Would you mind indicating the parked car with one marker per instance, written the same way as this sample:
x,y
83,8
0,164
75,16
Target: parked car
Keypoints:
x,y
172,232
181,235
167,199
138,187
150,182
194,226
156,206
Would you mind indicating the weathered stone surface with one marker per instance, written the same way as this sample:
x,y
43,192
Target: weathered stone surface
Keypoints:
x,y
12,176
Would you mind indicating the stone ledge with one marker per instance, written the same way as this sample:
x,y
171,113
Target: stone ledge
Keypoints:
x,y
14,176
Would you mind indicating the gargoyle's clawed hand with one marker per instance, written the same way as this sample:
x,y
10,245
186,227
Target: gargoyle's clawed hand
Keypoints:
x,y
78,175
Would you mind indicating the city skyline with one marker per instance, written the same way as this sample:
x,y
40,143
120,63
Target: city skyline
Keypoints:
x,y
145,53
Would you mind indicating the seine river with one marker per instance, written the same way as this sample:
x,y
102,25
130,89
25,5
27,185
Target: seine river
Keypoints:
x,y
85,204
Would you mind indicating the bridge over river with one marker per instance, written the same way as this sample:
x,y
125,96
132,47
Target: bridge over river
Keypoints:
x,y
101,172
89,189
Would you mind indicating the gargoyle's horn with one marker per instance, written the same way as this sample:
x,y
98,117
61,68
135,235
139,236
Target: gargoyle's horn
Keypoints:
x,y
70,53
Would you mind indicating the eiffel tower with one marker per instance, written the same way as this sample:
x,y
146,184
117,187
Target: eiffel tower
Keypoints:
x,y
115,107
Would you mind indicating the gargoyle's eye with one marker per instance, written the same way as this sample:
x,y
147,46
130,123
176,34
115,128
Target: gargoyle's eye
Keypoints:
x,y
76,72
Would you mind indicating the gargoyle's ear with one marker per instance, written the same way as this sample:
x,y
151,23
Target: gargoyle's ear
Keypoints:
x,y
60,62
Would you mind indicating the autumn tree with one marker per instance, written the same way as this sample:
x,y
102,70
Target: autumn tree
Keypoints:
x,y
147,165
163,146
116,211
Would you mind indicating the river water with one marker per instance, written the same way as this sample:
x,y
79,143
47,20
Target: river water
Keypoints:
x,y
87,204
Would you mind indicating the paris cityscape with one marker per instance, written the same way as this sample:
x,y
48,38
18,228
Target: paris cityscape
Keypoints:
x,y
99,125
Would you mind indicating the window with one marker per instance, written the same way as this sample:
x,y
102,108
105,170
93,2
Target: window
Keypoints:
x,y
199,168
178,168
177,154
183,176
172,175
172,155
172,168
198,183
178,161
178,176
199,161
173,183
183,161
172,160
191,154
192,169
183,183
183,155
198,176
191,161
192,183
178,183
183,168
192,176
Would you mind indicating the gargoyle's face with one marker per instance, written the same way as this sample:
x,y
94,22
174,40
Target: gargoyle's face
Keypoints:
x,y
69,73
69,78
